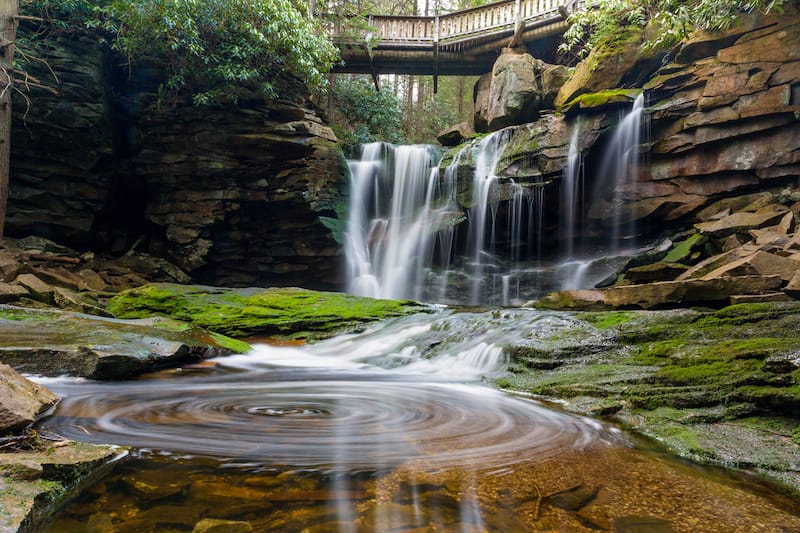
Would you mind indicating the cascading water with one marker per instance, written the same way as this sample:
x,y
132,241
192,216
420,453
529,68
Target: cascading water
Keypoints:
x,y
403,238
570,188
488,154
619,170
388,248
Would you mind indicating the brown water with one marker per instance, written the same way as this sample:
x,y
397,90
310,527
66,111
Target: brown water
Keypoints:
x,y
390,430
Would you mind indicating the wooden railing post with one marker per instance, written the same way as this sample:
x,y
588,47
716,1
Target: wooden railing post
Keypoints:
x,y
436,54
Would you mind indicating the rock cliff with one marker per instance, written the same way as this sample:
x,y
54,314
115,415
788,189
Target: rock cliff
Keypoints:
x,y
243,194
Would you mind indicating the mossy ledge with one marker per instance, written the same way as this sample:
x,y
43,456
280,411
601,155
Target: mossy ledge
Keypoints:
x,y
719,387
287,312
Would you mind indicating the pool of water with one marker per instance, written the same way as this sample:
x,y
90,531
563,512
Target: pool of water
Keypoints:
x,y
392,429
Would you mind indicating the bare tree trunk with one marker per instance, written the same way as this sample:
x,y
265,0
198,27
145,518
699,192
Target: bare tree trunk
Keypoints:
x,y
461,88
409,104
9,9
420,107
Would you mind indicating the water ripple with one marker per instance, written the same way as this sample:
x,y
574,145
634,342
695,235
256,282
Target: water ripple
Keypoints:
x,y
323,423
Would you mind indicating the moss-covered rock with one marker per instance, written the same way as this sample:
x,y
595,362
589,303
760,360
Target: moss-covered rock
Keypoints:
x,y
601,100
716,386
36,483
53,342
257,311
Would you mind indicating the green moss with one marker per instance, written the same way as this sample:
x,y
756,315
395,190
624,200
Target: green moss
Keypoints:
x,y
243,312
18,314
607,320
696,380
602,99
683,250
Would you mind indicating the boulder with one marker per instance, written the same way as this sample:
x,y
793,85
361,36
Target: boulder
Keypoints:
x,y
480,99
603,69
455,135
53,343
21,400
9,266
515,94
517,90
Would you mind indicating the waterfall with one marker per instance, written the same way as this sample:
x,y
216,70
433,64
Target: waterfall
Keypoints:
x,y
389,246
403,236
488,155
570,187
619,170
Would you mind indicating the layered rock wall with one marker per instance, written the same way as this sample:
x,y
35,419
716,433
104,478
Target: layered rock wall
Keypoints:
x,y
725,117
243,194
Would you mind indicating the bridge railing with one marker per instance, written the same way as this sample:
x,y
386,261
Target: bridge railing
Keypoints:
x,y
460,25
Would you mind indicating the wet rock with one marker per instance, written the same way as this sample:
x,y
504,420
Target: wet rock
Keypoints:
x,y
171,515
53,342
100,523
21,400
272,311
455,135
782,363
601,100
213,525
66,469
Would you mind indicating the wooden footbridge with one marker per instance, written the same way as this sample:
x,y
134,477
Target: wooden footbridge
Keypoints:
x,y
461,43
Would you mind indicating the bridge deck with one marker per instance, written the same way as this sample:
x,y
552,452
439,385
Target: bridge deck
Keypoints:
x,y
465,42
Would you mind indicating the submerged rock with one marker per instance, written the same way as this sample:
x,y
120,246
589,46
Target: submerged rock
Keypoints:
x,y
53,342
258,311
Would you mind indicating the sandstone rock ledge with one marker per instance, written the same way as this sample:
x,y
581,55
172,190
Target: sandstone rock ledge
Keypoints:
x,y
43,473
53,343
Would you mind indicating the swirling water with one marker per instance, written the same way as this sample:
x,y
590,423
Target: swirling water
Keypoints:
x,y
390,429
